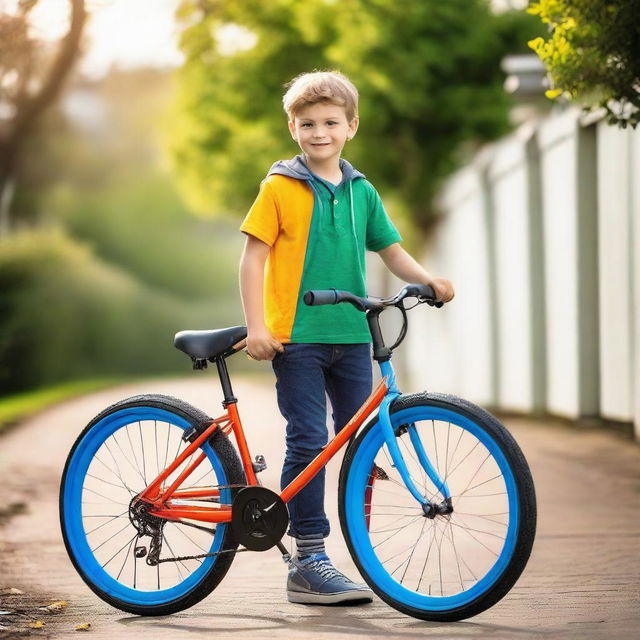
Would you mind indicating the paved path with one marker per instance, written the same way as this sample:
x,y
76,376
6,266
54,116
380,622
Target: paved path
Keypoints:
x,y
582,580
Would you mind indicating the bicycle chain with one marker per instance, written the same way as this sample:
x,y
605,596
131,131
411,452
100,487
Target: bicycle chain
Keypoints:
x,y
202,555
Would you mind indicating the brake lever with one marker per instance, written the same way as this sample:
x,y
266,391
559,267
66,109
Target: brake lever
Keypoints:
x,y
433,303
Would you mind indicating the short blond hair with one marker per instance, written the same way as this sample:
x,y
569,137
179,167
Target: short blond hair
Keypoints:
x,y
330,87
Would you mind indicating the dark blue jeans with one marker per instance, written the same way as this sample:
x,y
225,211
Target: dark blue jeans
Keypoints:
x,y
304,373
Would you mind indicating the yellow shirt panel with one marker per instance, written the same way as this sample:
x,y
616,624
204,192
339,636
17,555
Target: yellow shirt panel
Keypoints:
x,y
281,217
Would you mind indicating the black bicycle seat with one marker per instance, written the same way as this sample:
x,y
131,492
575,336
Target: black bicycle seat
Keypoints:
x,y
204,345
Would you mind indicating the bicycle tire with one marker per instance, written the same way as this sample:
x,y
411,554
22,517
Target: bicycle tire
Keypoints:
x,y
111,436
410,580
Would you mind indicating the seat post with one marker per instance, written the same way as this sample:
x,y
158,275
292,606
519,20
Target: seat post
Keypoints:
x,y
225,381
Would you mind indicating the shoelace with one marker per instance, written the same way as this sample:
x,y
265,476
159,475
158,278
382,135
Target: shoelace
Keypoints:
x,y
326,570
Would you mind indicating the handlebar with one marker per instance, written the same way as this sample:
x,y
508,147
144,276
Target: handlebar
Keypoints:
x,y
373,307
424,294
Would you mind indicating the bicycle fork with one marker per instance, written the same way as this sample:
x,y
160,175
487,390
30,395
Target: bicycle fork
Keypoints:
x,y
430,509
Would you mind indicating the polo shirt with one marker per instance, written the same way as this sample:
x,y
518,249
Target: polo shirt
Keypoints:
x,y
318,233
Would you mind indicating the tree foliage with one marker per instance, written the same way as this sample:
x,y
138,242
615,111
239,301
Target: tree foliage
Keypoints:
x,y
428,75
593,54
30,80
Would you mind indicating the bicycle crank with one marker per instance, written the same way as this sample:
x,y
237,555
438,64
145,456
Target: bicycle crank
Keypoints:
x,y
259,518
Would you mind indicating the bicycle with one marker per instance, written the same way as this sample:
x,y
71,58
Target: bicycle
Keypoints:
x,y
436,500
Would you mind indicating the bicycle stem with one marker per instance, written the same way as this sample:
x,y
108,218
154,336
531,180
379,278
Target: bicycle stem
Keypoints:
x,y
392,445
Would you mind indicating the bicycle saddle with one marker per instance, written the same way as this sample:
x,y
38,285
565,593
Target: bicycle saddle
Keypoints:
x,y
204,345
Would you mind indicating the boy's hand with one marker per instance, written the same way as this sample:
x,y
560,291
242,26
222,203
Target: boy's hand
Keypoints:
x,y
443,289
262,346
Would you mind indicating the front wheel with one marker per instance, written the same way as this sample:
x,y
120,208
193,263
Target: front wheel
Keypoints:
x,y
109,542
454,565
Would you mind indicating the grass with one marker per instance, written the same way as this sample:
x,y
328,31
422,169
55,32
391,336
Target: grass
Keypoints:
x,y
17,407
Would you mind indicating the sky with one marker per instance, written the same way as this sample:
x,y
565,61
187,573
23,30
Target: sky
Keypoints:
x,y
126,33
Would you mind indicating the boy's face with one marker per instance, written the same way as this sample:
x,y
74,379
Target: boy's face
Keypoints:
x,y
321,131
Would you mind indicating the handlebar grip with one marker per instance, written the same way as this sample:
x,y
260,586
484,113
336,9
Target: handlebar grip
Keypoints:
x,y
321,296
425,293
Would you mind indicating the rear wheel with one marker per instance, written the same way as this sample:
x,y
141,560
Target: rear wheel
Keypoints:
x,y
116,456
454,565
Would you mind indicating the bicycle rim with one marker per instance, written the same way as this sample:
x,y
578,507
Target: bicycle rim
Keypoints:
x,y
114,460
450,562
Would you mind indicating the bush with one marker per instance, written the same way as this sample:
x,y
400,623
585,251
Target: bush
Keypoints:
x,y
593,54
66,315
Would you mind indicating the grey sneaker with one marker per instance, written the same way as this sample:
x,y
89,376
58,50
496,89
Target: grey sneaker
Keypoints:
x,y
315,580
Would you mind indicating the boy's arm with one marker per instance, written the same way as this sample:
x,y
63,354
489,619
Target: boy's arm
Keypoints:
x,y
402,265
260,344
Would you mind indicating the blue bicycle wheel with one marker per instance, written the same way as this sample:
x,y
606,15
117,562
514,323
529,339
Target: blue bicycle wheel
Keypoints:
x,y
454,565
117,455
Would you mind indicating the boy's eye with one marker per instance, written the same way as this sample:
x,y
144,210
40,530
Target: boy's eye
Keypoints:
x,y
305,125
331,122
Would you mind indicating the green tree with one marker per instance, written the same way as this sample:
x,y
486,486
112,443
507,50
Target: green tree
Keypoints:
x,y
428,74
592,54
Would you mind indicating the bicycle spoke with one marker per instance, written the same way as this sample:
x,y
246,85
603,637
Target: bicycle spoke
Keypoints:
x,y
117,486
124,455
468,530
190,539
126,526
372,531
126,555
463,459
108,521
155,440
102,496
144,464
164,537
135,457
117,475
119,550
453,455
413,549
119,471
398,531
426,560
477,515
480,484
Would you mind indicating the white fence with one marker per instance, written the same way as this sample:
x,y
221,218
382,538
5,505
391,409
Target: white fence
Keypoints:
x,y
541,237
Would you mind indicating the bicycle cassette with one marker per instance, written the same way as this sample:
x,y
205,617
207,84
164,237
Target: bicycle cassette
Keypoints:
x,y
259,518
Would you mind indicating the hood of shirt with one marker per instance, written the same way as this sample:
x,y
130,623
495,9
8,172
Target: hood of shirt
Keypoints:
x,y
297,168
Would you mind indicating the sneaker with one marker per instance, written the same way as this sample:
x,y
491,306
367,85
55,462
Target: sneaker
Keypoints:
x,y
315,580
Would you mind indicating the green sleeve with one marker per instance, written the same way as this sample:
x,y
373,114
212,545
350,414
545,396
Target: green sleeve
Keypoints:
x,y
381,232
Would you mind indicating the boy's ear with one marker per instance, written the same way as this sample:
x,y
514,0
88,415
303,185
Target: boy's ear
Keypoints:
x,y
353,127
292,130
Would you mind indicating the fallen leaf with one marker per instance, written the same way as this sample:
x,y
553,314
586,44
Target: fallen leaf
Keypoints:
x,y
83,627
57,606
36,625
11,591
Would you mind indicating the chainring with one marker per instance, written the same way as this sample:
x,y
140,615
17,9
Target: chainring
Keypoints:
x,y
259,518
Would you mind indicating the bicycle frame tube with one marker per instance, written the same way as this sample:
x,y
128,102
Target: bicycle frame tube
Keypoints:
x,y
369,406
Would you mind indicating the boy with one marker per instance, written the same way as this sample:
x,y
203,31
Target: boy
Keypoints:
x,y
308,229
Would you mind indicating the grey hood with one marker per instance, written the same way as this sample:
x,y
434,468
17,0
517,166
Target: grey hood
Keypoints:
x,y
296,168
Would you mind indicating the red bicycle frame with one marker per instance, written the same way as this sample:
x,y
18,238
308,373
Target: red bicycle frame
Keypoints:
x,y
162,498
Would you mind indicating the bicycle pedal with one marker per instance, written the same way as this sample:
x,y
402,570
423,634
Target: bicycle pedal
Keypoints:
x,y
260,464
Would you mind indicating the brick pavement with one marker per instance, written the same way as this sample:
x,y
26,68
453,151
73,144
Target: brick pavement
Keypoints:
x,y
582,580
